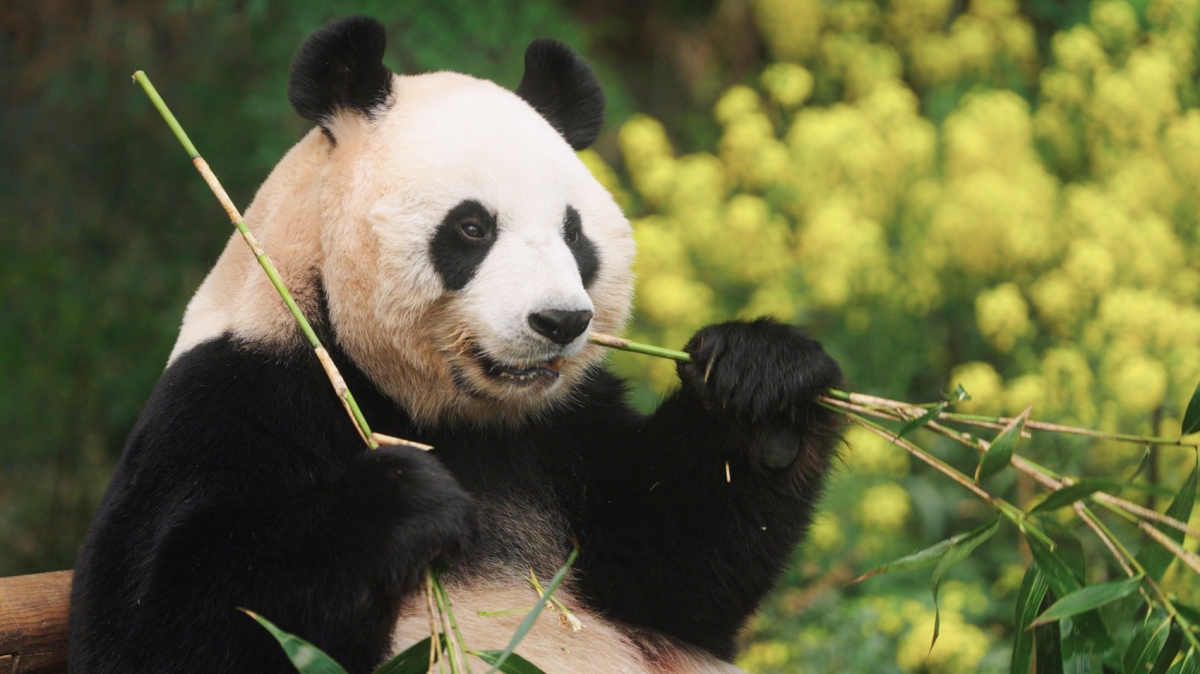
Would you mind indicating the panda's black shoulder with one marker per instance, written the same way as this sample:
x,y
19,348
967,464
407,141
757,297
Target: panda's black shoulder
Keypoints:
x,y
599,400
229,405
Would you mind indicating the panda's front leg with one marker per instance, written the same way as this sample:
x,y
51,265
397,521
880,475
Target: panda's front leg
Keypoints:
x,y
693,517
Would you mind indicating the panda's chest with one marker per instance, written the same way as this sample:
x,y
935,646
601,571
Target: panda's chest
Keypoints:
x,y
517,532
488,613
521,523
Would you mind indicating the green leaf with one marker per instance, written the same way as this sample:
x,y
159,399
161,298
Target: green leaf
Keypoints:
x,y
1153,557
1076,652
914,424
1145,461
306,658
1029,599
1088,598
1062,581
1058,574
1072,493
917,560
999,455
1191,417
1147,643
1169,651
957,552
513,664
1190,664
414,660
527,623
960,394
1049,649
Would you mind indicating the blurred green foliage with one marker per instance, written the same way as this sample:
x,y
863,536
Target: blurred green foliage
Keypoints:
x,y
984,192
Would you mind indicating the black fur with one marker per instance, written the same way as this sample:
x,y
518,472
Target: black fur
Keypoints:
x,y
456,256
562,87
240,486
340,67
244,484
581,247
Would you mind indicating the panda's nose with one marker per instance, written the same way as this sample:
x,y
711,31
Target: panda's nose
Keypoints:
x,y
560,327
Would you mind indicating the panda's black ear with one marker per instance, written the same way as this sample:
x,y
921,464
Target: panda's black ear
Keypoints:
x,y
563,88
340,67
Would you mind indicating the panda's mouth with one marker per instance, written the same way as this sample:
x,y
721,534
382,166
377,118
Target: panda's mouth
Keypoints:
x,y
545,372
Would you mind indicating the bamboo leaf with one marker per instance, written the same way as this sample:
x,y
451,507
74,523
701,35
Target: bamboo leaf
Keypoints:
x,y
1029,599
306,658
1088,598
999,455
960,394
1169,651
914,424
1147,643
1153,557
1062,581
513,664
414,659
957,552
1190,664
917,560
1049,649
1145,461
527,623
1072,493
1076,649
1191,417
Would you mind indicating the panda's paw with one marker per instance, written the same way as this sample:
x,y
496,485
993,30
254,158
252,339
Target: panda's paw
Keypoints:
x,y
763,375
427,512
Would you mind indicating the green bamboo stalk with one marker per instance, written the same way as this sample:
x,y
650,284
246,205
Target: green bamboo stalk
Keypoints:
x,y
461,644
658,351
455,652
621,344
373,440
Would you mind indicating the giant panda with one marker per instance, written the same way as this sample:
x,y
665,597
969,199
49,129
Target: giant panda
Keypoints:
x,y
454,254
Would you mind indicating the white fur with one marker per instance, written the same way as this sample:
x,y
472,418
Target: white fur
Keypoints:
x,y
599,647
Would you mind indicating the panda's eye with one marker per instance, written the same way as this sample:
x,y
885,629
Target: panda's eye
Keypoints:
x,y
572,235
473,229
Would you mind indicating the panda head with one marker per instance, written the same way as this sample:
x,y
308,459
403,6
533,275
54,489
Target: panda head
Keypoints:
x,y
465,251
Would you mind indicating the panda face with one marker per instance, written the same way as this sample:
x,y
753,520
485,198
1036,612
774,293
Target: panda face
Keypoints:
x,y
464,250
511,231
495,248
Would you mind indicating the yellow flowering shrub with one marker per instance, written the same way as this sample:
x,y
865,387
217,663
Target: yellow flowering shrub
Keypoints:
x,y
943,203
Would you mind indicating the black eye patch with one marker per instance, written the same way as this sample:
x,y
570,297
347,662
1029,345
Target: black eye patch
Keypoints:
x,y
581,247
462,242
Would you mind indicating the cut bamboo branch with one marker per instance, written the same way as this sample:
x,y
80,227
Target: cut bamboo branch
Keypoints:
x,y
1186,556
434,642
1083,514
235,216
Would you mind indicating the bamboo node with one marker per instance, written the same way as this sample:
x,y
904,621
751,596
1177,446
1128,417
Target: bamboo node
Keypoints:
x,y
253,243
217,190
331,370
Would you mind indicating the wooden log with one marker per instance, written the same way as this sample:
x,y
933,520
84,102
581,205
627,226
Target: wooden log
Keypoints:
x,y
33,623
